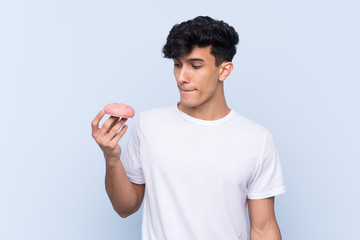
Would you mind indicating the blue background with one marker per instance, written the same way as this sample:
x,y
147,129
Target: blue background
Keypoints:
x,y
296,73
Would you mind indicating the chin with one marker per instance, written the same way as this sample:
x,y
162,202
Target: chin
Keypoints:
x,y
189,104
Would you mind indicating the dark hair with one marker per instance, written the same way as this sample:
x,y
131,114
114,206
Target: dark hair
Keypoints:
x,y
202,31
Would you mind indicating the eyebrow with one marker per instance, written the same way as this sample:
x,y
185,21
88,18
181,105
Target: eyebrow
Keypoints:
x,y
191,60
195,60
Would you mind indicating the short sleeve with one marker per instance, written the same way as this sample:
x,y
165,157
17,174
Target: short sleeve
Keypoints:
x,y
131,157
268,179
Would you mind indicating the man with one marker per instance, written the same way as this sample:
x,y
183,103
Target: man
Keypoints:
x,y
201,162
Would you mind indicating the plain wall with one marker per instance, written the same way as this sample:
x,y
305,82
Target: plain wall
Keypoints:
x,y
296,73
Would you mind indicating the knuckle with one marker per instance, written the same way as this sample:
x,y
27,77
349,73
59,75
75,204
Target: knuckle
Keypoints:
x,y
95,135
114,130
93,123
106,125
121,133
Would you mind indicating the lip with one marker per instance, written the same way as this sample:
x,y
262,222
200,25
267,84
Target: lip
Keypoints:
x,y
186,90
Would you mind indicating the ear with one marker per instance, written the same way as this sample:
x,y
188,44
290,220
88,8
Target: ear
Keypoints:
x,y
225,70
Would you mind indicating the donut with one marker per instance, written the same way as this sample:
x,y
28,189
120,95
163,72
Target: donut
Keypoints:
x,y
119,110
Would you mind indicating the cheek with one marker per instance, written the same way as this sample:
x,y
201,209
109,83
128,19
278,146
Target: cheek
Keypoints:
x,y
207,89
211,84
176,73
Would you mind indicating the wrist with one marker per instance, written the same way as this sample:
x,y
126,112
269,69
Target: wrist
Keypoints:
x,y
112,159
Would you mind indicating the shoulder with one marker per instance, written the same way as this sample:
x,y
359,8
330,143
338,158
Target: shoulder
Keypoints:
x,y
158,116
157,113
248,126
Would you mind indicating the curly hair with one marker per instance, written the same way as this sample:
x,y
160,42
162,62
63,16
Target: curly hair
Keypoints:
x,y
202,31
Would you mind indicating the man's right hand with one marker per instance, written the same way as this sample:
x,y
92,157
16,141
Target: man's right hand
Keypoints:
x,y
108,136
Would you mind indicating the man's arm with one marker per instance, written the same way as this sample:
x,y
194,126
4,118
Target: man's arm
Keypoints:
x,y
263,225
126,197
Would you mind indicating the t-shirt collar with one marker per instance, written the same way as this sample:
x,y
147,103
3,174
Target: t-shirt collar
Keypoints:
x,y
204,122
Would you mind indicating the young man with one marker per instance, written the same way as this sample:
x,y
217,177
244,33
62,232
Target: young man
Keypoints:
x,y
196,163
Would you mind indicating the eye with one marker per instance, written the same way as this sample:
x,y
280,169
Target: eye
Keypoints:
x,y
196,66
177,65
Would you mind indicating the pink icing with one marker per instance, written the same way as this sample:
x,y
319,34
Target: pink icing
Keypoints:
x,y
119,110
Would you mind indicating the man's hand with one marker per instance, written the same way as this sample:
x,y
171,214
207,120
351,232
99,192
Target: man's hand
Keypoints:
x,y
108,136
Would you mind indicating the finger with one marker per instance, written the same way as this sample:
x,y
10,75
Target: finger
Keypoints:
x,y
95,122
116,128
116,120
120,134
106,127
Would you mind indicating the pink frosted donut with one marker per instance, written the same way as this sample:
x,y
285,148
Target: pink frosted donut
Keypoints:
x,y
119,110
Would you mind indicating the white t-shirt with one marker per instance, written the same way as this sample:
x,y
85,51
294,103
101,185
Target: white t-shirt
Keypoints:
x,y
198,173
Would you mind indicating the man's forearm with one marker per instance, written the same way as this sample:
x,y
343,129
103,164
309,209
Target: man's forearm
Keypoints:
x,y
270,233
119,189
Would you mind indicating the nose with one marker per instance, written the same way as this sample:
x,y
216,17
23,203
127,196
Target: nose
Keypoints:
x,y
183,75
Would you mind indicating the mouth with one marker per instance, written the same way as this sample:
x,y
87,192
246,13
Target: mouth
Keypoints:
x,y
186,90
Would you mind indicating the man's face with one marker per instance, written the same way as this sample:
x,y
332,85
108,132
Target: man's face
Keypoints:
x,y
197,77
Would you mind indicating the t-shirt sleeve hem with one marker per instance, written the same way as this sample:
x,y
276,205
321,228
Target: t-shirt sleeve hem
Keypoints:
x,y
271,193
136,181
133,176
